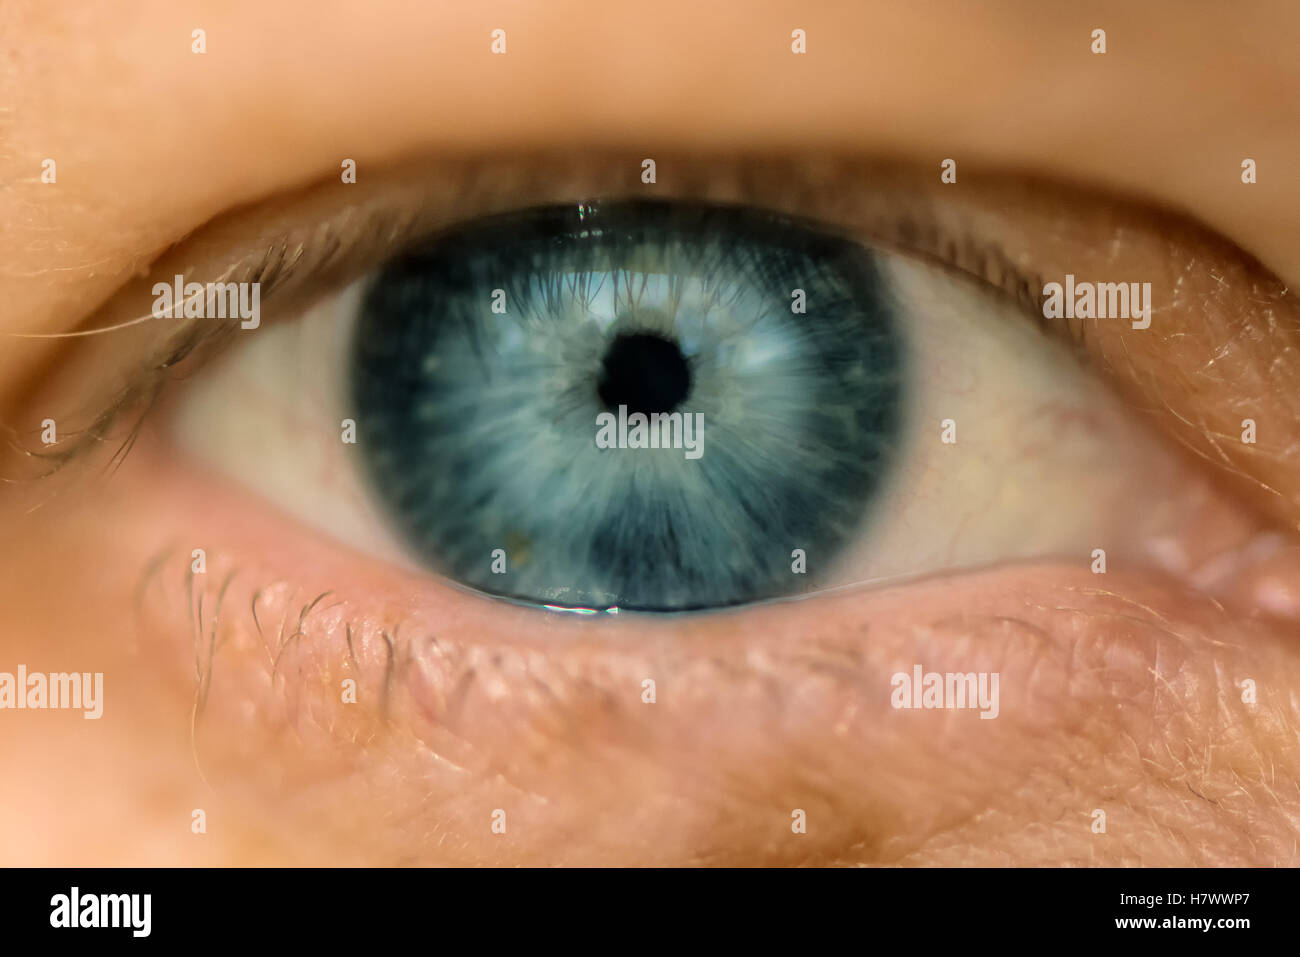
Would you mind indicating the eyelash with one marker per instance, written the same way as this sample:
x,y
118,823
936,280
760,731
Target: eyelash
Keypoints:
x,y
389,233
166,567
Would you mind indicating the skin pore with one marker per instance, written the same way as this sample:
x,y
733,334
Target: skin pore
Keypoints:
x,y
1120,693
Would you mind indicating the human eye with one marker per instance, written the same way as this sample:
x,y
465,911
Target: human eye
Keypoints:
x,y
383,538
809,383
921,418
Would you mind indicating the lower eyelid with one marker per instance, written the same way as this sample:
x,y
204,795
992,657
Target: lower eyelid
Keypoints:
x,y
486,705
473,715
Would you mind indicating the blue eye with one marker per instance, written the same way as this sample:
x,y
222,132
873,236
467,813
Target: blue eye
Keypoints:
x,y
647,405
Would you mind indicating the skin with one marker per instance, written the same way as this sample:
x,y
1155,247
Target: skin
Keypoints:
x,y
1121,694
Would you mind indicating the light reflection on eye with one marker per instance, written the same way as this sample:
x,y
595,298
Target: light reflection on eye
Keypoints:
x,y
907,423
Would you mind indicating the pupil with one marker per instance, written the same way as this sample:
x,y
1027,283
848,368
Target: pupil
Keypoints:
x,y
645,372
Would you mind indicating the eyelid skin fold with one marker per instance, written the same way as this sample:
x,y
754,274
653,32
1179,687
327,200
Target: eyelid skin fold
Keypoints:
x,y
1223,331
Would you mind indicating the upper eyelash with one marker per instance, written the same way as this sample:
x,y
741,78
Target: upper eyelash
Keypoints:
x,y
141,393
987,262
323,253
274,268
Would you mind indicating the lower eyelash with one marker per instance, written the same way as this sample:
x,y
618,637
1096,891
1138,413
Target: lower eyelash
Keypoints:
x,y
218,602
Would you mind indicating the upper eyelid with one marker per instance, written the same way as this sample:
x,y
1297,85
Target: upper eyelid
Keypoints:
x,y
313,247
337,231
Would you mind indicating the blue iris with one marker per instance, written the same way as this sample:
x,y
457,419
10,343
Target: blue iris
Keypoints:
x,y
487,359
